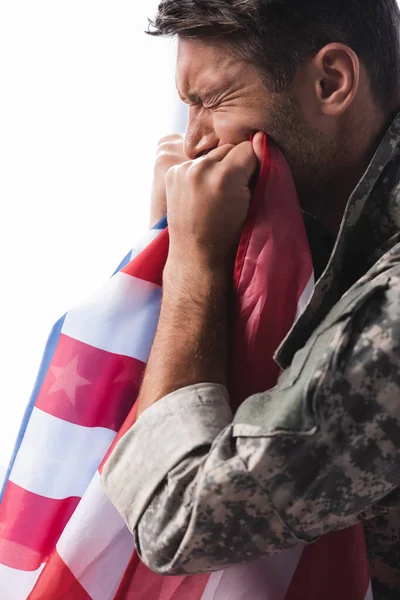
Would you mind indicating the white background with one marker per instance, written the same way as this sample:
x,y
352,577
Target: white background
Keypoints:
x,y
84,97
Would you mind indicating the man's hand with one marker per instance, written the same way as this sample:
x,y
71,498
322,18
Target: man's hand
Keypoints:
x,y
170,152
207,201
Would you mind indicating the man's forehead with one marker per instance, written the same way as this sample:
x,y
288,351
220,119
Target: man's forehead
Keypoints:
x,y
202,67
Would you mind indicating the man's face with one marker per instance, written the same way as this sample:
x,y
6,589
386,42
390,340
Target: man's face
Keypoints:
x,y
228,102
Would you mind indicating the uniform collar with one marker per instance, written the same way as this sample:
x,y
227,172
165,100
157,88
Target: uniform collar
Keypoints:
x,y
363,208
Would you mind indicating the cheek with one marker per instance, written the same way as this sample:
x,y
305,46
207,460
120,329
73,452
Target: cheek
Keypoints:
x,y
233,128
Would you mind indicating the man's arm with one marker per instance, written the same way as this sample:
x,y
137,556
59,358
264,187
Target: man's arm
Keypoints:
x,y
208,201
314,455
311,456
191,343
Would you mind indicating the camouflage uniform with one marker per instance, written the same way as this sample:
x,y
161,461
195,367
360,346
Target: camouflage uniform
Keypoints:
x,y
318,453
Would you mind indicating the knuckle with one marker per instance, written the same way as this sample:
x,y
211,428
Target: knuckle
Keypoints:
x,y
170,153
166,160
173,138
164,148
175,171
163,154
162,142
197,170
170,176
166,138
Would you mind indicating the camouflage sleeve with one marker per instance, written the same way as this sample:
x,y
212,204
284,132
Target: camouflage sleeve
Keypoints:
x,y
313,455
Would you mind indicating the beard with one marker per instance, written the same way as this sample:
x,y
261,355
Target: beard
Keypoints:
x,y
312,156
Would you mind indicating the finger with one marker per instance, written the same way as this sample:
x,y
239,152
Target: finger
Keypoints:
x,y
242,158
216,155
172,146
172,137
258,145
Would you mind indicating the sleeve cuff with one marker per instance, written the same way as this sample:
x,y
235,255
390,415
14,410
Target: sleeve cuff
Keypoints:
x,y
166,433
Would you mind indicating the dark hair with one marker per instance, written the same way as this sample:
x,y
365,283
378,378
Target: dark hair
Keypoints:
x,y
279,35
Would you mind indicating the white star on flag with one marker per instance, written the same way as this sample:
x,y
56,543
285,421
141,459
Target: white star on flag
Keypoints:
x,y
68,380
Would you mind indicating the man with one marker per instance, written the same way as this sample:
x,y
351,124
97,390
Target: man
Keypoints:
x,y
321,77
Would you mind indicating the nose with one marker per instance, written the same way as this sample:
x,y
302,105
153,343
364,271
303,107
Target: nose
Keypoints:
x,y
200,137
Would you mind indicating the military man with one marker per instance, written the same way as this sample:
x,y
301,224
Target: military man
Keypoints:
x,y
321,77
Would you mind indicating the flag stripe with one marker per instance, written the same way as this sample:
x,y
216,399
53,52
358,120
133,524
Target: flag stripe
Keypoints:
x,y
149,265
258,580
90,400
44,366
52,345
44,445
158,587
30,526
147,239
105,549
121,318
58,583
19,582
343,569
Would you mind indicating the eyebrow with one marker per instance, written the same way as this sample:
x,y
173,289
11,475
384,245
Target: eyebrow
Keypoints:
x,y
194,98
190,98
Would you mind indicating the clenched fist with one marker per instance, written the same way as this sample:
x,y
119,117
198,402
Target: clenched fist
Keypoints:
x,y
170,152
207,203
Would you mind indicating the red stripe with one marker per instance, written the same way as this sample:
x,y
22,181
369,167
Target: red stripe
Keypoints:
x,y
128,423
105,401
149,264
273,269
139,583
335,567
30,526
57,582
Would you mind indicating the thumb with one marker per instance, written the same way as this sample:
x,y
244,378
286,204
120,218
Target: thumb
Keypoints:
x,y
258,145
242,159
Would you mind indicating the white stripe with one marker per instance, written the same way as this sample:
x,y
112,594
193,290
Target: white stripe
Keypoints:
x,y
96,544
305,297
145,241
15,584
121,317
266,579
48,445
369,595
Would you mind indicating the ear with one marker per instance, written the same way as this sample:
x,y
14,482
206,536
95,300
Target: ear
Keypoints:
x,y
338,75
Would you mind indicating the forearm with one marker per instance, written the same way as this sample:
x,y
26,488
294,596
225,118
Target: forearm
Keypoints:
x,y
191,343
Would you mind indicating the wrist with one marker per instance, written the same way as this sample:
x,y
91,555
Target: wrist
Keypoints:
x,y
195,277
207,261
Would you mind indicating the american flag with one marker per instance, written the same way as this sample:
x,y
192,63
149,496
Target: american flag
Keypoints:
x,y
60,537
